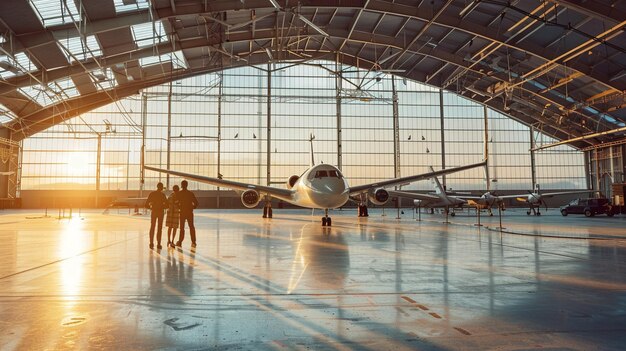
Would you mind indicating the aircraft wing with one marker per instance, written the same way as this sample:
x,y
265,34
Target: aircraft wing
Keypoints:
x,y
524,197
414,196
568,192
469,197
279,193
404,180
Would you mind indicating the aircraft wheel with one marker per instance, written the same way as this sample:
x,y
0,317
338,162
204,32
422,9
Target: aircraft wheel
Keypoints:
x,y
538,213
452,214
323,221
269,212
528,213
329,222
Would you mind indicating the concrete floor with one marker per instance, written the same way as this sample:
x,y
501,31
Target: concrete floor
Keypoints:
x,y
374,283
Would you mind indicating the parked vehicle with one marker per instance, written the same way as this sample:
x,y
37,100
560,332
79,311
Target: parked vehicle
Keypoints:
x,y
588,207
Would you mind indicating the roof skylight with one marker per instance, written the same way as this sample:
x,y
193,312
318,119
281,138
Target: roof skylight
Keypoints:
x,y
55,91
52,13
6,115
176,58
103,79
130,5
11,67
75,48
149,34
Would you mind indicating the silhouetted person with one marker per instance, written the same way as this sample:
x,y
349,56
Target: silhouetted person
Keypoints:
x,y
188,202
173,216
157,202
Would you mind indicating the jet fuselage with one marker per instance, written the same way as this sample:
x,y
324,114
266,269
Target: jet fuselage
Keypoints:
x,y
321,186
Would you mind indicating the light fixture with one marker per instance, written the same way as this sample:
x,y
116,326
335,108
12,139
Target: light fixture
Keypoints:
x,y
275,4
467,9
618,76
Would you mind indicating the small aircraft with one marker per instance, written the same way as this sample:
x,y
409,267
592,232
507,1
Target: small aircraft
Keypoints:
x,y
319,187
535,199
440,199
487,201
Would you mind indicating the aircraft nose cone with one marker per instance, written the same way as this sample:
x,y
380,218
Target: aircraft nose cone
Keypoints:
x,y
330,194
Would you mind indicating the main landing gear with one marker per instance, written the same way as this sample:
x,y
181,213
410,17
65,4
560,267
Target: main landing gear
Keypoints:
x,y
326,221
363,211
536,213
267,210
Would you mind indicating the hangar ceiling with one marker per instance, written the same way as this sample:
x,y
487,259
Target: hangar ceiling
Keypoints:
x,y
558,65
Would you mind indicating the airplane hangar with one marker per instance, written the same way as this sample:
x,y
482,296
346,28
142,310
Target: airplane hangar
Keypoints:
x,y
470,154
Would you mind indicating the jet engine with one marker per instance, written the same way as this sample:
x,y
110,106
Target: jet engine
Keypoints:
x,y
250,198
292,181
379,196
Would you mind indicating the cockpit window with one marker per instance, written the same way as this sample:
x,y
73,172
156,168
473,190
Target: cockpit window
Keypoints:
x,y
334,174
321,174
328,173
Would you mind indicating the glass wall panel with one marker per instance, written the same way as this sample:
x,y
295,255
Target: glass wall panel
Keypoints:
x,y
304,102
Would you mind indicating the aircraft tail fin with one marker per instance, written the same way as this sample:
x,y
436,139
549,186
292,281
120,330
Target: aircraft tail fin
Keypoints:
x,y
311,138
439,190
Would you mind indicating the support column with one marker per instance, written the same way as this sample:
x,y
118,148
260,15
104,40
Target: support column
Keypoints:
x,y
219,136
5,162
443,138
597,170
396,137
486,146
338,86
588,169
169,134
533,167
267,209
269,124
144,120
98,163
396,129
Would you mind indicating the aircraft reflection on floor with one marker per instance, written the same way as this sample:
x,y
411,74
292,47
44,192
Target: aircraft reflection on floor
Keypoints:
x,y
323,256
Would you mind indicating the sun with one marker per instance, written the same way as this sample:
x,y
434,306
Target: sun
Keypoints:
x,y
79,163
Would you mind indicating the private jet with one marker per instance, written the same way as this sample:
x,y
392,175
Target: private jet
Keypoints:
x,y
321,186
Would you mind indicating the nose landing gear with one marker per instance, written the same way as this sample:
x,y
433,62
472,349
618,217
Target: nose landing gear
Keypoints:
x,y
326,221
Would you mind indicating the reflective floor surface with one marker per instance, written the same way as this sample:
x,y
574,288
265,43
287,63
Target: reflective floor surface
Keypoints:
x,y
377,283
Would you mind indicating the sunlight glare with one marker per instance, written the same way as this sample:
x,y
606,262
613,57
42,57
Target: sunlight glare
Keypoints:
x,y
78,163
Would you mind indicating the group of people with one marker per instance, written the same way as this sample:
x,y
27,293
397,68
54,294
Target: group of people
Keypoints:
x,y
179,207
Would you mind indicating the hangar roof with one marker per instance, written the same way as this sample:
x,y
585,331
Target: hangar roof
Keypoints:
x,y
558,65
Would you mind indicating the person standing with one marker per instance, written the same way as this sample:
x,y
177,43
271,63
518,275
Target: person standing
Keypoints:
x,y
157,202
188,202
173,216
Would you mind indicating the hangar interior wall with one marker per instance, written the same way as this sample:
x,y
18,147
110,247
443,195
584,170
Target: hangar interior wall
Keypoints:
x,y
218,124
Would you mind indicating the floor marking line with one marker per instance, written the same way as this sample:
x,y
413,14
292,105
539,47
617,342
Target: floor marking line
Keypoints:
x,y
64,259
408,299
462,331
